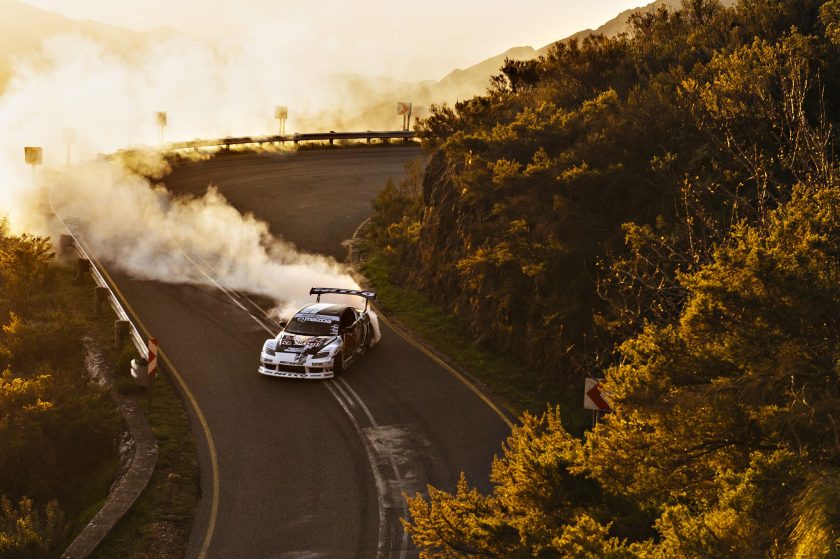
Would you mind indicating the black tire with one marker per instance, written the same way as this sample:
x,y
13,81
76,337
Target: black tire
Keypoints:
x,y
338,364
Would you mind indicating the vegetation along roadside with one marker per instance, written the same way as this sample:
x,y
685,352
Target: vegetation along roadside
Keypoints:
x,y
659,209
59,428
60,433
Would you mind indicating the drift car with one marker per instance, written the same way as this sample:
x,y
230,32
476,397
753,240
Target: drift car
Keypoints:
x,y
321,339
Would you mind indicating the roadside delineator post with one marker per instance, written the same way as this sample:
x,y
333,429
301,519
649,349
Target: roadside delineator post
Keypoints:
x,y
596,397
153,351
404,110
144,371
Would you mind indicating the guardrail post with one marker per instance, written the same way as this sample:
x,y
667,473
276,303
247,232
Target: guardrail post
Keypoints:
x,y
120,333
82,267
101,295
65,244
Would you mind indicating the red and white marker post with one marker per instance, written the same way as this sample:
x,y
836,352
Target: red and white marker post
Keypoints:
x,y
152,361
595,398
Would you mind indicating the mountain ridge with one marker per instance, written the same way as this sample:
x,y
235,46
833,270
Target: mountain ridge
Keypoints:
x,y
473,80
24,28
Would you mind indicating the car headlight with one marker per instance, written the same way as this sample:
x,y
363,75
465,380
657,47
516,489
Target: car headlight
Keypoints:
x,y
269,347
322,355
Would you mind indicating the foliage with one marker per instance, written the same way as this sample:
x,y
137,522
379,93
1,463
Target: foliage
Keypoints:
x,y
24,269
56,427
398,207
537,509
558,209
662,209
723,432
27,533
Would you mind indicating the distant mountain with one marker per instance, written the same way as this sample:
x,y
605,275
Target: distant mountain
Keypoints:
x,y
618,24
23,28
474,80
378,106
458,84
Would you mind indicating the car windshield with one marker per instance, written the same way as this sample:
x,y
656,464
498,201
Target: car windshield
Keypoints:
x,y
311,326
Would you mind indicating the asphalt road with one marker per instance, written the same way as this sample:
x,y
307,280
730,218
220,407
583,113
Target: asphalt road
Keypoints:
x,y
309,469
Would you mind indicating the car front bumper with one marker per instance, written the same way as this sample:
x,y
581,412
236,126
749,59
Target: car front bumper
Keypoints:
x,y
273,366
305,372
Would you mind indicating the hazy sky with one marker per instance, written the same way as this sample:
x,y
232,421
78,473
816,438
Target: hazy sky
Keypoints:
x,y
411,40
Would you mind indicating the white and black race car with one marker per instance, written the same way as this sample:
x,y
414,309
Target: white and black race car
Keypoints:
x,y
321,339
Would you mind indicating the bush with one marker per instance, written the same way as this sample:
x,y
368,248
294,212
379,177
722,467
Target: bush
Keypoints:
x,y
29,533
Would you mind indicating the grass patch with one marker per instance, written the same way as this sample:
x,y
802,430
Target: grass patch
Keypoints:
x,y
514,384
159,523
82,497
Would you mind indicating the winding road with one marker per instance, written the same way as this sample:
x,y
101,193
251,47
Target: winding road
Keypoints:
x,y
308,469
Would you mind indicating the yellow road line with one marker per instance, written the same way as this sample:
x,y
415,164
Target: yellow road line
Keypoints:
x,y
466,382
214,461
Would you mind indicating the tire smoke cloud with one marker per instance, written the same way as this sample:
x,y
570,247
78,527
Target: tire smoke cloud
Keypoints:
x,y
109,100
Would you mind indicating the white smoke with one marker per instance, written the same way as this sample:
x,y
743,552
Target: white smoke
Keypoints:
x,y
147,232
110,101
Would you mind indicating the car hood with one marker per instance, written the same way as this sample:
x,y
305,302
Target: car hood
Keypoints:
x,y
296,343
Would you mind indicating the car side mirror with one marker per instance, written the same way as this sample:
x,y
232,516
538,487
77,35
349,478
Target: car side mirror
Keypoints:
x,y
283,323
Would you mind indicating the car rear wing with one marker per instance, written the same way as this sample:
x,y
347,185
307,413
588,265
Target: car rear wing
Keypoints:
x,y
368,295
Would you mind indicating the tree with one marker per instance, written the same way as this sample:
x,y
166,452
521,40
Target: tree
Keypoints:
x,y
537,509
25,269
707,146
742,389
29,533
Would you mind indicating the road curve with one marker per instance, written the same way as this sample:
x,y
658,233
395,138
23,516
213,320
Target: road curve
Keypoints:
x,y
309,469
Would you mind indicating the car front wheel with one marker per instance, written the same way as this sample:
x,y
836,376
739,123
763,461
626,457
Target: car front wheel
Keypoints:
x,y
338,363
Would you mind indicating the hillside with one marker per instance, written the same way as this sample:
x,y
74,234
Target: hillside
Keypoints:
x,y
619,23
661,211
23,28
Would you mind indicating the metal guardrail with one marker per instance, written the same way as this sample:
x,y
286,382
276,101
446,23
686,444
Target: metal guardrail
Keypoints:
x,y
131,484
296,138
99,279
